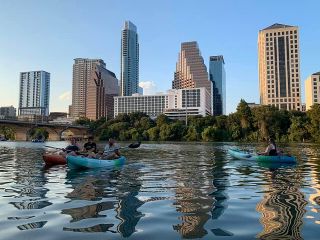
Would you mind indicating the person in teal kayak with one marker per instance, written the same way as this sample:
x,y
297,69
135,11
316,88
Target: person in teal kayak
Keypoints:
x,y
111,150
90,148
271,149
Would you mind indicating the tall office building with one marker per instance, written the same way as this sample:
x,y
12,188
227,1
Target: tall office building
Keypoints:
x,y
191,72
217,76
92,84
34,93
279,66
102,87
312,89
129,79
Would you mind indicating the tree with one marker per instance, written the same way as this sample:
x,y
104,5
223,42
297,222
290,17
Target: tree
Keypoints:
x,y
245,115
192,134
234,126
314,124
208,134
298,131
162,119
153,133
7,132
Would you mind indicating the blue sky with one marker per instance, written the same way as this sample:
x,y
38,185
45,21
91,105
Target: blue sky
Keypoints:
x,y
48,35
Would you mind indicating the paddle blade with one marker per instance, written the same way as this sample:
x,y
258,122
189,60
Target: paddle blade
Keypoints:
x,y
134,145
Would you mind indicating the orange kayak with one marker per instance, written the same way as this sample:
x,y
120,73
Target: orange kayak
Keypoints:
x,y
54,159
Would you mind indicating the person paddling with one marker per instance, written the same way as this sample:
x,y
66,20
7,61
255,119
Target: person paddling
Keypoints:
x,y
111,150
271,149
71,149
90,148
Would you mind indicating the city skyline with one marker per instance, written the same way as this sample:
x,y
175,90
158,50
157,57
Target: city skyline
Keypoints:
x,y
160,36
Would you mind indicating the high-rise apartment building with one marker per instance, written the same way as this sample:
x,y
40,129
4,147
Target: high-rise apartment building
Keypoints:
x,y
129,79
217,76
93,88
312,90
279,66
34,93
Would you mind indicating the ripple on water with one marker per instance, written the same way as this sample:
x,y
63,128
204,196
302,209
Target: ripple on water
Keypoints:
x,y
178,190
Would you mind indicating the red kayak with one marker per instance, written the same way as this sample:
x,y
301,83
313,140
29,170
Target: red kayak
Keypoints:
x,y
54,159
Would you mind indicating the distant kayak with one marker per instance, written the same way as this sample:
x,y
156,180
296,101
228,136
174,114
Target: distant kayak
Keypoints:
x,y
84,162
236,153
54,159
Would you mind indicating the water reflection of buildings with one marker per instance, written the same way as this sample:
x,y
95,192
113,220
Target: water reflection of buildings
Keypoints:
x,y
125,187
28,185
127,210
283,206
314,198
200,193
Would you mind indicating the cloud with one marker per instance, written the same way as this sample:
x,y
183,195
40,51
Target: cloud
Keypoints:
x,y
65,96
149,87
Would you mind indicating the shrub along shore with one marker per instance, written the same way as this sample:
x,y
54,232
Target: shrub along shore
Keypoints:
x,y
246,124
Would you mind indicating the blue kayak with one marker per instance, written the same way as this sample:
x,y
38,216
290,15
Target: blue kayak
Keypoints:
x,y
84,162
236,153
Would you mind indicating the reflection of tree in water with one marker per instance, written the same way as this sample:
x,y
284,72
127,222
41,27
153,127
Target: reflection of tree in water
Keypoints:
x,y
199,192
282,206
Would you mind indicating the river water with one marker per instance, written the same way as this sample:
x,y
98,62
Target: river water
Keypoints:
x,y
164,191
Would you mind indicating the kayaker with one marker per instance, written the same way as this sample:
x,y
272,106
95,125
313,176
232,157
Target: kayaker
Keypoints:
x,y
271,149
111,150
90,147
71,149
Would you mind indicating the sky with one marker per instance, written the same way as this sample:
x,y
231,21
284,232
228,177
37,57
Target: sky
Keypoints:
x,y
48,35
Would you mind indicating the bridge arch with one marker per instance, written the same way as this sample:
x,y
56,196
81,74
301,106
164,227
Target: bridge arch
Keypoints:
x,y
71,131
21,129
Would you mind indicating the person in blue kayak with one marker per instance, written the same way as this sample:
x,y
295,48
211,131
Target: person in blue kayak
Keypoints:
x,y
111,150
271,149
90,148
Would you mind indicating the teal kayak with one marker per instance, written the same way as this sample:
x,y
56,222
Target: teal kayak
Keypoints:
x,y
236,153
84,162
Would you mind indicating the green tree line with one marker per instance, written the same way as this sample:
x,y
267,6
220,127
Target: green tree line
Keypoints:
x,y
246,124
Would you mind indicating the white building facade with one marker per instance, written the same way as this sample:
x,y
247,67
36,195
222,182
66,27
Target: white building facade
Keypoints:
x,y
312,90
176,103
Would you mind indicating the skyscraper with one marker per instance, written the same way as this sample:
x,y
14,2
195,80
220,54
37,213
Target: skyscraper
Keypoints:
x,y
279,66
217,76
90,88
191,72
312,89
129,79
102,87
34,93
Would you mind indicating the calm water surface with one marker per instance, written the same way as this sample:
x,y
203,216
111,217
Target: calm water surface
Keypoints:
x,y
165,191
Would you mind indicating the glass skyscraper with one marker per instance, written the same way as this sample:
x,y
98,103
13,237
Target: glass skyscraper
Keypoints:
x,y
129,78
217,75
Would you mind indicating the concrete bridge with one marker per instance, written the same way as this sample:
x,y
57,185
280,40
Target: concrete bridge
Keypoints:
x,y
22,129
